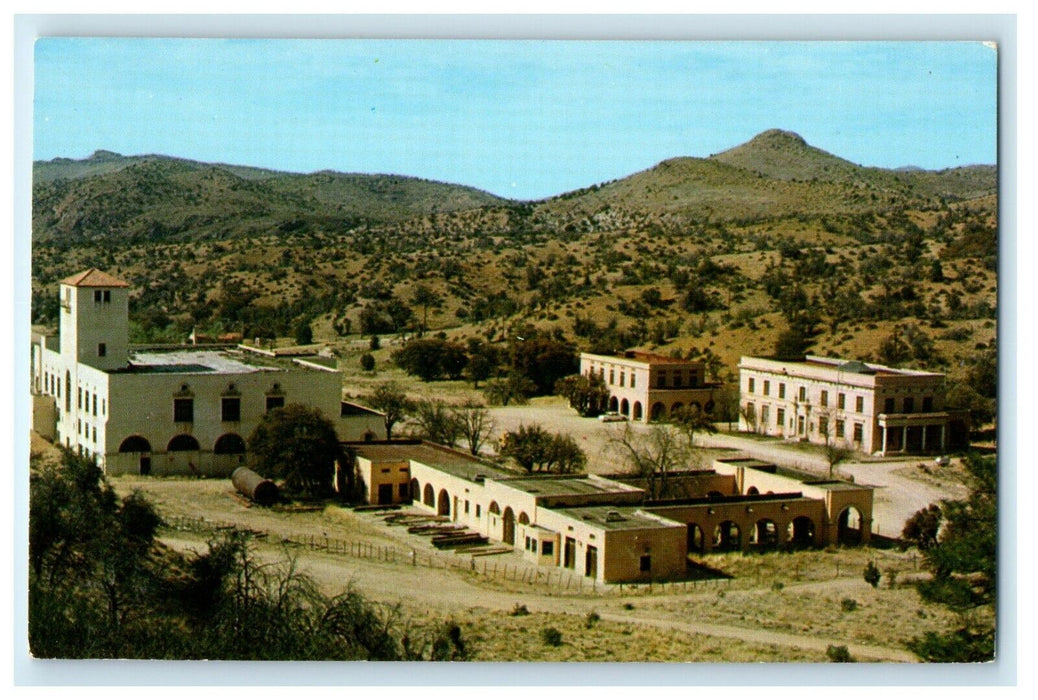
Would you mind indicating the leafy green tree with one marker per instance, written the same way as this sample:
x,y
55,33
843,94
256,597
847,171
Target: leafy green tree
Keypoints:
x,y
425,297
367,362
431,358
390,400
542,361
514,388
304,333
691,420
922,528
297,444
587,394
535,449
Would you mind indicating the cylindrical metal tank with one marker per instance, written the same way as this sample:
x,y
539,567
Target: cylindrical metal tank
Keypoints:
x,y
262,491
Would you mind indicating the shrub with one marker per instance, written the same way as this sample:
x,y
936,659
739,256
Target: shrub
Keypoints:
x,y
519,610
591,619
367,362
849,604
551,636
777,586
872,574
838,654
628,606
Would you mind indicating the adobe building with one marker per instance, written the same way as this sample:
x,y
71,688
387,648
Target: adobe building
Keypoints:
x,y
864,406
647,387
165,411
607,528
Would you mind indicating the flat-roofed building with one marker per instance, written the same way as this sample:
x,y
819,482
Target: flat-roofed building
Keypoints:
x,y
866,406
608,528
179,410
644,386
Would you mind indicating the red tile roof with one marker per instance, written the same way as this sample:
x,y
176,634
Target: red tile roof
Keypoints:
x,y
94,278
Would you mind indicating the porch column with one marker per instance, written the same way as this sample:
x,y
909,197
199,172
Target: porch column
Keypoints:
x,y
904,438
925,428
943,445
883,445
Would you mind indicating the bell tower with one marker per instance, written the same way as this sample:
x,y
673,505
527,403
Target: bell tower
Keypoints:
x,y
94,320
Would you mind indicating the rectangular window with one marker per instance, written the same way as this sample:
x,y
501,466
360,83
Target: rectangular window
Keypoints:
x,y
95,403
102,349
183,410
764,414
839,428
661,380
645,563
478,509
927,404
803,393
547,548
466,507
79,397
107,297
909,404
823,425
750,386
230,409
693,378
402,489
622,375
825,398
97,296
275,402
612,376
633,381
93,432
888,405
782,391
767,388
677,380
859,432
780,417
841,401
859,404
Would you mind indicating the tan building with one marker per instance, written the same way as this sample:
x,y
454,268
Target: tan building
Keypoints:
x,y
870,407
643,386
606,528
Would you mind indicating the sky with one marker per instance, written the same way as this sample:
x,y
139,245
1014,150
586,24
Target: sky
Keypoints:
x,y
520,119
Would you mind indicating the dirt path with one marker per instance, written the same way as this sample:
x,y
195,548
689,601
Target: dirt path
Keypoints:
x,y
443,592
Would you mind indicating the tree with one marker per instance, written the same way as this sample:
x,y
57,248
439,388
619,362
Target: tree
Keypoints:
x,y
476,426
426,297
431,358
514,388
872,574
964,565
542,361
298,444
437,423
587,394
304,333
367,362
535,449
390,400
653,455
922,528
691,420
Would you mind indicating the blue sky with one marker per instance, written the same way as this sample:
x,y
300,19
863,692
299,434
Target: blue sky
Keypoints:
x,y
522,119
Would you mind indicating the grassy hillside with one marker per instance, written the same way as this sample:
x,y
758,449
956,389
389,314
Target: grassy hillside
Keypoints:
x,y
702,257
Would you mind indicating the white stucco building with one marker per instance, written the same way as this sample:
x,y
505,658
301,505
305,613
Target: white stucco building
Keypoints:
x,y
164,411
866,406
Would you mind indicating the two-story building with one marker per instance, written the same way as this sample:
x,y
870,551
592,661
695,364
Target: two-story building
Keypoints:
x,y
866,406
645,387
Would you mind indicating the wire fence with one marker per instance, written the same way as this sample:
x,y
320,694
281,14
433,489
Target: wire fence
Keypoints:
x,y
519,575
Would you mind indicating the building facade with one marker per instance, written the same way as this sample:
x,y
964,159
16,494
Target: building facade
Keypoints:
x,y
864,406
163,411
607,528
646,387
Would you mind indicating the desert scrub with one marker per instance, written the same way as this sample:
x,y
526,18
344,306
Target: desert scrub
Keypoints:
x,y
592,618
519,610
551,636
849,604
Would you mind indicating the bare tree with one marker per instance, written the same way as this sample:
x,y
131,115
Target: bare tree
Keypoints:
x,y
834,452
691,420
476,426
653,455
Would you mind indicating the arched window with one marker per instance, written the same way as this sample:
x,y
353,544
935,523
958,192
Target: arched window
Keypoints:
x,y
135,443
229,444
182,443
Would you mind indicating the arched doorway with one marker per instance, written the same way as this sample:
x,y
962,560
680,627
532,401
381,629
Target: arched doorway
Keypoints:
x,y
228,452
614,404
428,496
637,415
676,408
495,509
508,533
182,454
694,539
658,411
416,490
625,408
765,534
752,491
524,519
139,451
849,526
801,532
727,537
443,503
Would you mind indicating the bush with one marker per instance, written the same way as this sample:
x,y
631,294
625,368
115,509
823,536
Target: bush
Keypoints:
x,y
519,610
551,637
628,606
872,574
592,618
777,586
367,362
849,604
838,654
